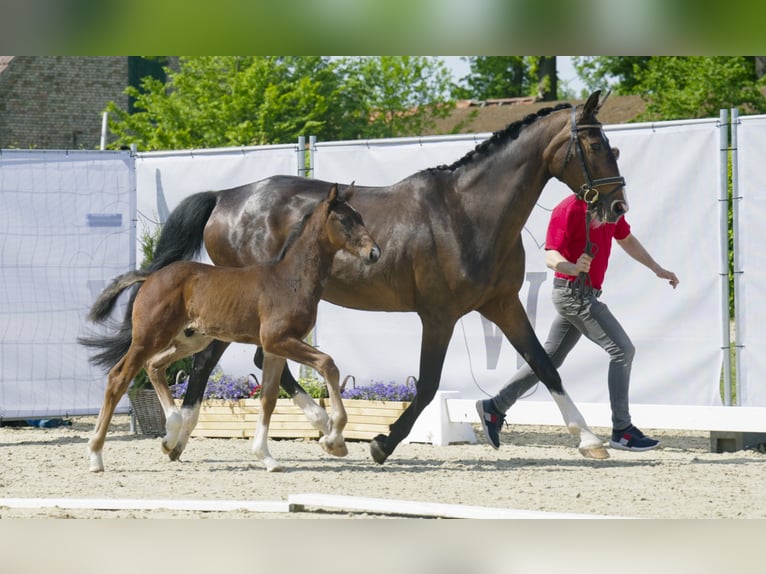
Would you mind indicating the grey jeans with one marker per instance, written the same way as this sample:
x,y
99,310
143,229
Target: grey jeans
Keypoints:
x,y
575,318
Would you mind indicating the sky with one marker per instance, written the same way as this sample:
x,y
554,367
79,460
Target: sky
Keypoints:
x,y
564,67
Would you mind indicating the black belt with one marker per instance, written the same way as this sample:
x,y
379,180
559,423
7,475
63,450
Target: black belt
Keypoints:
x,y
587,291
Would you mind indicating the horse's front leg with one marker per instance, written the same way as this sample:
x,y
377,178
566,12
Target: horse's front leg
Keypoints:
x,y
272,368
202,365
513,321
315,414
434,343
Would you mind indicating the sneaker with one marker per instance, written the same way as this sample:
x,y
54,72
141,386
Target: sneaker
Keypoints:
x,y
632,439
491,421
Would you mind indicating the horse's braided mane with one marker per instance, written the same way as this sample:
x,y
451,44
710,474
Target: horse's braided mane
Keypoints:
x,y
499,138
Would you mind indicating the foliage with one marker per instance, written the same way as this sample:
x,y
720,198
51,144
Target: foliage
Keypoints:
x,y
509,77
401,95
219,101
379,391
496,77
676,87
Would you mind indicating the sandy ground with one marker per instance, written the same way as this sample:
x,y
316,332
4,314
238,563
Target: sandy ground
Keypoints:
x,y
536,468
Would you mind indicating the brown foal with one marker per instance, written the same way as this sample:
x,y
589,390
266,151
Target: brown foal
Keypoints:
x,y
181,308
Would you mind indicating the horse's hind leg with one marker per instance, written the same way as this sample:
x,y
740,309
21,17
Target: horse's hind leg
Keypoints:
x,y
315,414
117,385
271,370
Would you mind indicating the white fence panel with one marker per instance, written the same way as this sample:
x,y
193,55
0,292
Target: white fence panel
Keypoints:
x,y
66,229
751,390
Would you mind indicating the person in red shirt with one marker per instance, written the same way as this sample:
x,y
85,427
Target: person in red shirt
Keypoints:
x,y
580,312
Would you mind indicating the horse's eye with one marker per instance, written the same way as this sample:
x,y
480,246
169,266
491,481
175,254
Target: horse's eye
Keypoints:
x,y
595,146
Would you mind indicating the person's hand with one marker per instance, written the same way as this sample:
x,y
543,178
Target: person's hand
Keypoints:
x,y
582,265
669,275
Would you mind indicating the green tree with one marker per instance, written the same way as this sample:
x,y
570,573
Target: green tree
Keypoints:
x,y
509,77
676,87
496,77
399,95
219,101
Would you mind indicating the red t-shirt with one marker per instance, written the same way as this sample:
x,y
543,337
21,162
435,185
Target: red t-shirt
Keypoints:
x,y
566,234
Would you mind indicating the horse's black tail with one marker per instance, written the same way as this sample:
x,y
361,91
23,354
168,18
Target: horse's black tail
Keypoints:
x,y
113,347
182,234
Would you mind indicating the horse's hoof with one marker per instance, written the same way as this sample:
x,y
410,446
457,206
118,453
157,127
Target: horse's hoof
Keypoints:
x,y
376,449
597,452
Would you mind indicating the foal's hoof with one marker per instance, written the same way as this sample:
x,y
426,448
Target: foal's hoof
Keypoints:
x,y
335,449
377,451
597,452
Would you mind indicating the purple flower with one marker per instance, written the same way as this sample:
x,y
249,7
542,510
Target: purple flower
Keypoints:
x,y
379,391
220,386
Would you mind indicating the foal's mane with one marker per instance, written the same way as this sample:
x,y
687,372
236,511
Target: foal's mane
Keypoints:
x,y
499,139
295,232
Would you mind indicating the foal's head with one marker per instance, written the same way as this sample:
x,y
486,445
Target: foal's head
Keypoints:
x,y
345,228
586,162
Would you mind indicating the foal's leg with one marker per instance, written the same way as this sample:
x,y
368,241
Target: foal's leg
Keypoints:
x,y
117,385
272,368
513,321
315,414
173,420
297,350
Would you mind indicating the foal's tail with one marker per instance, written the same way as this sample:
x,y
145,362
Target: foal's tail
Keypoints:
x,y
104,304
113,347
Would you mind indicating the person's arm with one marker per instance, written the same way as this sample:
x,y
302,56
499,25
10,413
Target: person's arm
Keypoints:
x,y
556,261
637,251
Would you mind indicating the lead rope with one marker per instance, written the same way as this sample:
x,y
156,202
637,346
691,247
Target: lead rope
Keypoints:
x,y
582,283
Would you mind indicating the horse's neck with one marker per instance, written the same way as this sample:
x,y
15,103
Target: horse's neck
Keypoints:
x,y
499,192
507,184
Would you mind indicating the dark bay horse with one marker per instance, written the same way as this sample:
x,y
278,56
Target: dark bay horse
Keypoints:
x,y
180,309
451,242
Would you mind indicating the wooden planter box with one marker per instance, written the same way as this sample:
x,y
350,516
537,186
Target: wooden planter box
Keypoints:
x,y
367,419
238,419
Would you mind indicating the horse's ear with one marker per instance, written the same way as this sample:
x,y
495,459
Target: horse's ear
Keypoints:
x,y
592,105
332,196
348,193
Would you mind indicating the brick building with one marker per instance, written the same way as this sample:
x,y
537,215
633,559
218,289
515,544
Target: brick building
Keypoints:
x,y
57,102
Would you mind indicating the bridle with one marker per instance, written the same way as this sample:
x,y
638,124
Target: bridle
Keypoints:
x,y
588,191
590,194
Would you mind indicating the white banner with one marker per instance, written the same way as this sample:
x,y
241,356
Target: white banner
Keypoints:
x,y
66,229
165,178
672,173
751,390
